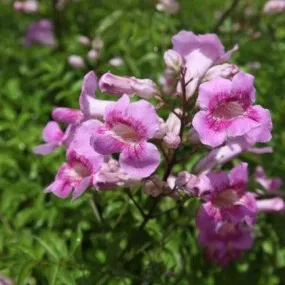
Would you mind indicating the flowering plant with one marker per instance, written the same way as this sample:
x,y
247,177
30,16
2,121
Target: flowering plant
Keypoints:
x,y
126,143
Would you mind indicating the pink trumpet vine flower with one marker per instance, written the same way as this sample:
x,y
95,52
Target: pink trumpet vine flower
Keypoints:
x,y
128,127
54,138
227,111
270,205
226,242
199,52
228,199
40,32
78,173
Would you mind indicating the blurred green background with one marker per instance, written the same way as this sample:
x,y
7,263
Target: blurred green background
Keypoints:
x,y
45,240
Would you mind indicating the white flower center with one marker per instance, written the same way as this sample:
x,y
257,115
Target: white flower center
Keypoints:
x,y
226,199
229,111
125,133
78,171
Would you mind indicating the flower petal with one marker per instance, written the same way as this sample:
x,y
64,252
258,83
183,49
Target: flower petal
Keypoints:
x,y
140,161
243,87
119,107
89,84
105,143
52,133
84,184
239,174
144,112
261,133
209,90
207,135
44,149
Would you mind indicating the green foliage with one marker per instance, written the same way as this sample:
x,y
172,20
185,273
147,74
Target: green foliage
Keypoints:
x,y
95,240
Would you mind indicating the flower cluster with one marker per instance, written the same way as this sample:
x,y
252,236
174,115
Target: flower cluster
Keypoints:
x,y
123,142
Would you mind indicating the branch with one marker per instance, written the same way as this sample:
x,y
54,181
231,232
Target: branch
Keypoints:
x,y
225,15
129,193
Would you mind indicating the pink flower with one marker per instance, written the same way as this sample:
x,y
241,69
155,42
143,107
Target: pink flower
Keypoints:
x,y
76,61
168,6
40,32
28,6
127,128
270,185
54,138
224,70
228,199
227,111
198,186
222,154
270,205
78,173
91,107
119,85
273,7
226,242
200,52
84,40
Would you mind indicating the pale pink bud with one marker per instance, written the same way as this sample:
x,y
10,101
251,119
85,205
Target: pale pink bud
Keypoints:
x,y
31,6
155,186
172,140
186,181
116,61
66,115
270,205
93,55
145,88
173,123
173,60
85,41
97,43
76,61
273,7
225,70
168,6
18,5
162,129
119,85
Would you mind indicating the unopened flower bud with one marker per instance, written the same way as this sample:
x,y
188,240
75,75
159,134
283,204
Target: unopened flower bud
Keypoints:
x,y
93,55
173,122
76,61
85,41
162,129
173,60
116,61
119,85
273,7
270,205
172,140
155,186
168,6
225,70
29,6
97,43
186,181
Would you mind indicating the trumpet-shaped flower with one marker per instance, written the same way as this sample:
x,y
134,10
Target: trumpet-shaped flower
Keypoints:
x,y
227,111
269,184
54,137
228,199
199,52
82,164
40,32
226,242
127,128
